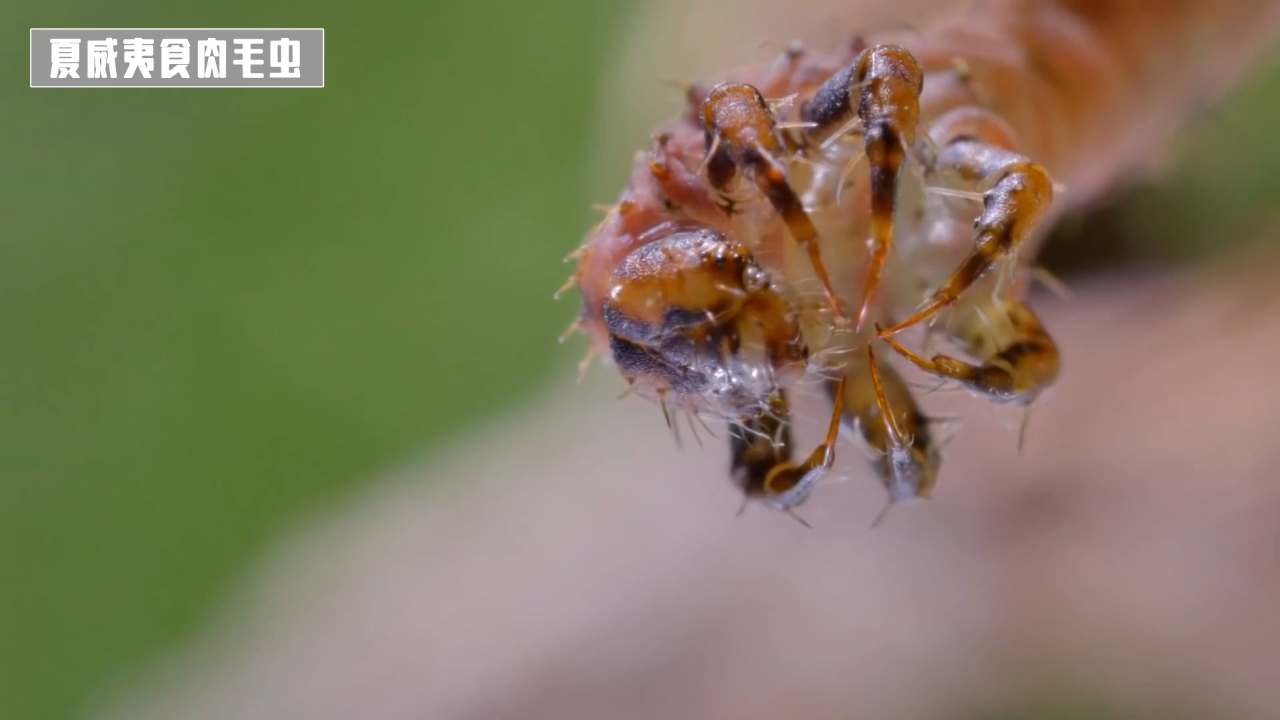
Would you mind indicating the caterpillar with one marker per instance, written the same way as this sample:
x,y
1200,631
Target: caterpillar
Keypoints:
x,y
803,213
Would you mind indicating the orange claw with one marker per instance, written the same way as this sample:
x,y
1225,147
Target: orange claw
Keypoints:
x,y
815,258
922,314
896,436
914,358
969,271
873,281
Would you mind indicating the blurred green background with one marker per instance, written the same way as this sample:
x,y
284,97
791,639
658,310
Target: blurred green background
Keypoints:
x,y
222,309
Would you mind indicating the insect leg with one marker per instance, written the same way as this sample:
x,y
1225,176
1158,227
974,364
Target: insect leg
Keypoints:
x,y
742,140
1020,190
881,89
757,445
1018,361
771,178
761,457
885,152
881,408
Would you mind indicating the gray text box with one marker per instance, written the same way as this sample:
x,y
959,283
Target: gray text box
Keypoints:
x,y
71,57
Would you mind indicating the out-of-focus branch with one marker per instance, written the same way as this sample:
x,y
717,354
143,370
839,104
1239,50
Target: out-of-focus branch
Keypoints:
x,y
591,570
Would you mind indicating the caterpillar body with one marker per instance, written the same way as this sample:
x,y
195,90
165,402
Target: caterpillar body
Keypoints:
x,y
802,215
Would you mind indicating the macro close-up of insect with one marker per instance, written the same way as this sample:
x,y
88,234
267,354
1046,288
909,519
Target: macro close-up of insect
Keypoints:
x,y
929,361
807,219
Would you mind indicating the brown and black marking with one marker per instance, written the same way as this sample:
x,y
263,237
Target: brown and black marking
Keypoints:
x,y
742,140
886,81
760,457
1019,360
680,310
1060,75
881,408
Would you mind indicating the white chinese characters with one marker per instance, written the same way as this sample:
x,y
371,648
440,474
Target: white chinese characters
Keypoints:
x,y
286,58
138,57
175,56
213,58
102,58
247,50
187,57
65,57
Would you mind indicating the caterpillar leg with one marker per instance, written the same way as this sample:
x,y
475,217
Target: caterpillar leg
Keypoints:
x,y
761,463
1019,192
1019,358
742,140
880,91
879,407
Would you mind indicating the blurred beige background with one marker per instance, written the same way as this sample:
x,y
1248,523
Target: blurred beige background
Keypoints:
x,y
577,565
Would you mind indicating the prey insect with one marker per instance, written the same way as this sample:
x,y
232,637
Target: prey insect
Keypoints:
x,y
907,176
882,411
